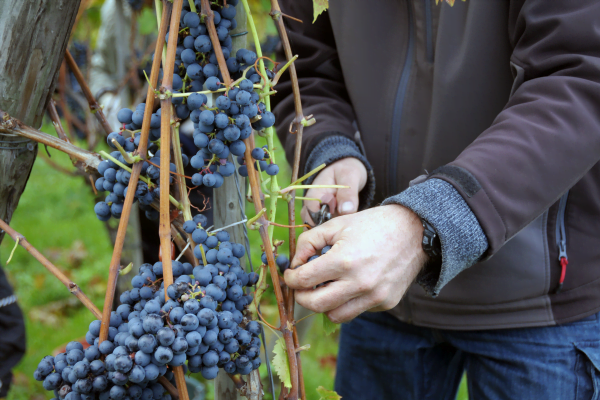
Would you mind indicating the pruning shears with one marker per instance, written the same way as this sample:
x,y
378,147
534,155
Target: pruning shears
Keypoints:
x,y
321,216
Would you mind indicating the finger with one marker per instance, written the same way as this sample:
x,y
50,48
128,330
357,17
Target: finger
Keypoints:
x,y
311,242
329,199
311,274
351,309
325,298
314,205
347,199
325,177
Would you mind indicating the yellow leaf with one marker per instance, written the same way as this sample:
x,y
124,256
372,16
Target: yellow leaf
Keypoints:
x,y
319,6
281,363
328,326
327,394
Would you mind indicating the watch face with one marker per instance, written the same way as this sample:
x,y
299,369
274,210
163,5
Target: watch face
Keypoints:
x,y
426,240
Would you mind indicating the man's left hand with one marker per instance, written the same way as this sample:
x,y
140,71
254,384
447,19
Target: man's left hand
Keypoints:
x,y
376,255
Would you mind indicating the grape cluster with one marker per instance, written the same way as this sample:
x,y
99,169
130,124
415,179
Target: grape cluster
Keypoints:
x,y
115,179
203,324
218,131
261,155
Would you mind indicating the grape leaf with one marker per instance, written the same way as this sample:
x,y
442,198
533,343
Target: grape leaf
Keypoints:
x,y
319,6
327,394
328,326
281,363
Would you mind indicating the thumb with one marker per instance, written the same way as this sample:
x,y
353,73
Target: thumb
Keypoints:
x,y
347,199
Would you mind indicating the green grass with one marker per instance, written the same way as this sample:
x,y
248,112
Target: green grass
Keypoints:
x,y
56,215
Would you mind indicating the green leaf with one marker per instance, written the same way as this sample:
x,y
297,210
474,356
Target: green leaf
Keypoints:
x,y
147,21
281,363
319,6
327,394
328,326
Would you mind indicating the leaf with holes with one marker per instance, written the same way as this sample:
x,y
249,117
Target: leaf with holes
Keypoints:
x,y
319,7
327,394
328,326
281,363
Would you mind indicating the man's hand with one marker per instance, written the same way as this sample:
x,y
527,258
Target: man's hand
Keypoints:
x,y
347,171
376,255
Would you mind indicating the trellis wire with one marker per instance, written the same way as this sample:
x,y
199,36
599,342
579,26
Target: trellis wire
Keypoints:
x,y
228,226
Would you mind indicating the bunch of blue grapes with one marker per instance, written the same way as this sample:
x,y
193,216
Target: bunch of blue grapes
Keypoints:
x,y
219,131
115,179
262,162
203,324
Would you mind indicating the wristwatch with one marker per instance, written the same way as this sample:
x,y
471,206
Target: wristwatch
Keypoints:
x,y
431,243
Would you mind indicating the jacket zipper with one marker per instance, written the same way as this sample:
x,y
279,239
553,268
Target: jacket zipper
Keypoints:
x,y
561,240
399,101
429,30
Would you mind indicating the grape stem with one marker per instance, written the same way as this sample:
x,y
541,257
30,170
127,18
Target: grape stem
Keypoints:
x,y
126,156
296,187
303,318
165,156
308,175
170,388
297,198
143,178
209,91
282,70
183,197
182,244
208,17
253,220
290,226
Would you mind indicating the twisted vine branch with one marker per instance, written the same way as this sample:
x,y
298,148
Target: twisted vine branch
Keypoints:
x,y
133,181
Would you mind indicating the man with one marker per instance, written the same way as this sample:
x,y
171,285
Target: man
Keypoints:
x,y
480,138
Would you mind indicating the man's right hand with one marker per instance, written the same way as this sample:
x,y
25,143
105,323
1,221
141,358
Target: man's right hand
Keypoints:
x,y
347,171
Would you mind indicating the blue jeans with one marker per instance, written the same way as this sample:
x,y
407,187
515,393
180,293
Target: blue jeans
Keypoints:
x,y
383,358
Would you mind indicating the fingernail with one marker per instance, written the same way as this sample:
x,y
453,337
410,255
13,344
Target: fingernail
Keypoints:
x,y
347,207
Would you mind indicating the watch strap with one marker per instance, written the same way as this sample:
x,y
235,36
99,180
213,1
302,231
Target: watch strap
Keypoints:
x,y
431,242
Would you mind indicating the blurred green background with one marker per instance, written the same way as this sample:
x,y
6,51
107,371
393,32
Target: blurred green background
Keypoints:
x,y
56,215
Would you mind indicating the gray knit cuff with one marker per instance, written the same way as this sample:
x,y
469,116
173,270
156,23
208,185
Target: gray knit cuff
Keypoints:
x,y
334,148
463,241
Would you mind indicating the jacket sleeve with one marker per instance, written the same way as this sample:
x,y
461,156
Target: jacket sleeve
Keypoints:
x,y
548,135
322,86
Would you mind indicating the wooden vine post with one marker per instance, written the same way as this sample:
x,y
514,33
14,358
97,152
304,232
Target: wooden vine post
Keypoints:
x,y
228,209
34,36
